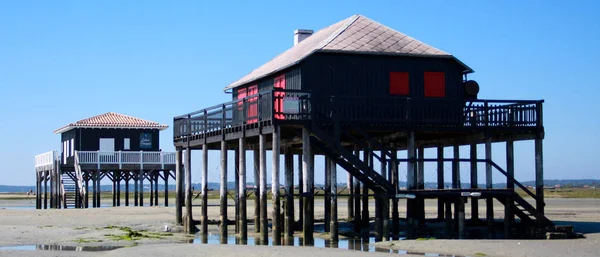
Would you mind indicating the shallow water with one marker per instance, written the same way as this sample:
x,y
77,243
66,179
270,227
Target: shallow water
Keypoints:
x,y
357,244
59,248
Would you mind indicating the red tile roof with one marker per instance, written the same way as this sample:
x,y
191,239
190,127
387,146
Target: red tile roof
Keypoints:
x,y
356,34
112,120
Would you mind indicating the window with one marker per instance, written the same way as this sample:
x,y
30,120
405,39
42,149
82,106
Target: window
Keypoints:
x,y
126,144
278,104
435,84
252,115
399,83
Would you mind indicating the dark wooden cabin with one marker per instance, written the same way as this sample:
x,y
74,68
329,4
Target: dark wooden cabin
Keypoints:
x,y
359,87
110,145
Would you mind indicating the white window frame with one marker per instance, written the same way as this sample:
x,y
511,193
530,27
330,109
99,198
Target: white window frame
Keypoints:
x,y
72,143
127,143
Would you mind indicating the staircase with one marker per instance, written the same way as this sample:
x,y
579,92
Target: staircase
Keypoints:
x,y
360,170
525,211
70,191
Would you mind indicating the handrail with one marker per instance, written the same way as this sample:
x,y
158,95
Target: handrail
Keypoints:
x,y
45,159
79,175
125,157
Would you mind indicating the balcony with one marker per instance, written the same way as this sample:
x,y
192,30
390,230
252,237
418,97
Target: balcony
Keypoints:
x,y
125,160
45,161
292,107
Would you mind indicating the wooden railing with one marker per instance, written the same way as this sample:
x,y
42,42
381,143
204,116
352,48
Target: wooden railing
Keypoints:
x,y
119,157
293,105
46,159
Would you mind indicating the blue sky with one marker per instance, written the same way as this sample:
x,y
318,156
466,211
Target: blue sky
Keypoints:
x,y
61,61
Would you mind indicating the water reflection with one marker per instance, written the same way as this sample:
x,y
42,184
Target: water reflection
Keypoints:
x,y
60,248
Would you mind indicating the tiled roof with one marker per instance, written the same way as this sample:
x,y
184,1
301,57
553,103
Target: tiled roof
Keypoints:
x,y
112,120
357,34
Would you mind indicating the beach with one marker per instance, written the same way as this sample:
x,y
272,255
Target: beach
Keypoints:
x,y
108,227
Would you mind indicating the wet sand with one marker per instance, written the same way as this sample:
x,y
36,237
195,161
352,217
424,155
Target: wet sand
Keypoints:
x,y
89,227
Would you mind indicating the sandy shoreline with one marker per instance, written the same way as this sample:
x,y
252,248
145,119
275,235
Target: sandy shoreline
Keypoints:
x,y
104,226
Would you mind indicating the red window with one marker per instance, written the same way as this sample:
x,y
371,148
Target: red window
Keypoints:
x,y
399,83
241,93
278,104
252,115
435,84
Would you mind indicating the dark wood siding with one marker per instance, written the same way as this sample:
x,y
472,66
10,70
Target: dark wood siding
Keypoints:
x,y
369,75
293,80
90,138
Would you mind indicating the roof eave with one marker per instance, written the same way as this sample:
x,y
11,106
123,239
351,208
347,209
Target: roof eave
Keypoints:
x,y
70,127
237,84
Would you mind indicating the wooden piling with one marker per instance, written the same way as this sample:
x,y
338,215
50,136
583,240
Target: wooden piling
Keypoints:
x,y
99,188
301,190
461,218
474,200
126,190
385,200
539,172
411,183
37,190
308,174
95,190
223,192
166,174
236,192
334,207
136,177
507,218
350,204
395,211
263,189
365,228
440,180
155,188
357,198
46,189
449,222
118,185
289,192
327,195
456,179
256,162
421,184
142,176
204,193
243,220
189,221
489,209
276,214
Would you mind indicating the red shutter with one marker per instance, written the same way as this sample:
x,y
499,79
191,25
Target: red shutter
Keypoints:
x,y
435,84
399,83
252,115
278,103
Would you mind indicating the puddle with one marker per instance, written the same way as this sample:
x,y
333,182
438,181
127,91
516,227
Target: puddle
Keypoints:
x,y
356,244
59,248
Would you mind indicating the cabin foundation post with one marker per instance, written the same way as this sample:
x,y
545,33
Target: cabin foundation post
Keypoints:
x,y
461,217
37,190
385,208
264,232
114,188
136,179
327,195
223,193
289,190
301,191
276,215
236,192
156,175
151,181
449,221
474,200
357,198
539,174
456,181
421,184
440,181
507,218
489,209
308,174
395,213
118,179
189,221
127,177
410,174
365,228
141,176
166,174
334,206
98,188
52,189
242,192
94,190
204,193
46,189
256,157
510,182
350,204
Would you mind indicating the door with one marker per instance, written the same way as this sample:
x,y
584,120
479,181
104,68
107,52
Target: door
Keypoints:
x,y
107,151
278,104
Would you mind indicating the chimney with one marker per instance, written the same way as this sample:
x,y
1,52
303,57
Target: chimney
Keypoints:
x,y
301,34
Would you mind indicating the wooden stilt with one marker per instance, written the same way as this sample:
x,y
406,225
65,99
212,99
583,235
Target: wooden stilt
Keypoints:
x,y
301,190
166,174
136,180
46,189
118,188
449,225
289,192
327,194
357,198
395,211
350,204
421,184
461,218
126,188
95,190
510,170
456,180
263,190
189,221
151,181
474,200
276,215
155,177
236,192
440,180
99,188
242,191
37,190
489,209
52,187
385,226
256,162
204,193
411,184
334,206
365,199
308,174
507,220
223,193
539,173
142,176
114,188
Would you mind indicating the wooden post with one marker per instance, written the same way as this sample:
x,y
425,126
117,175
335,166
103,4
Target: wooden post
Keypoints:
x,y
166,174
489,209
456,180
52,187
264,233
126,189
350,204
539,175
37,190
301,190
510,184
461,218
46,189
410,180
385,200
308,174
440,180
204,188
189,221
326,198
421,184
242,191
136,178
236,192
142,176
474,200
256,158
115,190
357,198
223,192
507,218
94,190
156,175
276,215
365,199
289,190
395,214
99,188
334,207
448,212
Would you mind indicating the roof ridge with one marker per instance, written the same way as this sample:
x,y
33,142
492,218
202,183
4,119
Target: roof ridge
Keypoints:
x,y
338,32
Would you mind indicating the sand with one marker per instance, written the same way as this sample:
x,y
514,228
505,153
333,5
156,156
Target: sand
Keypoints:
x,y
85,227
